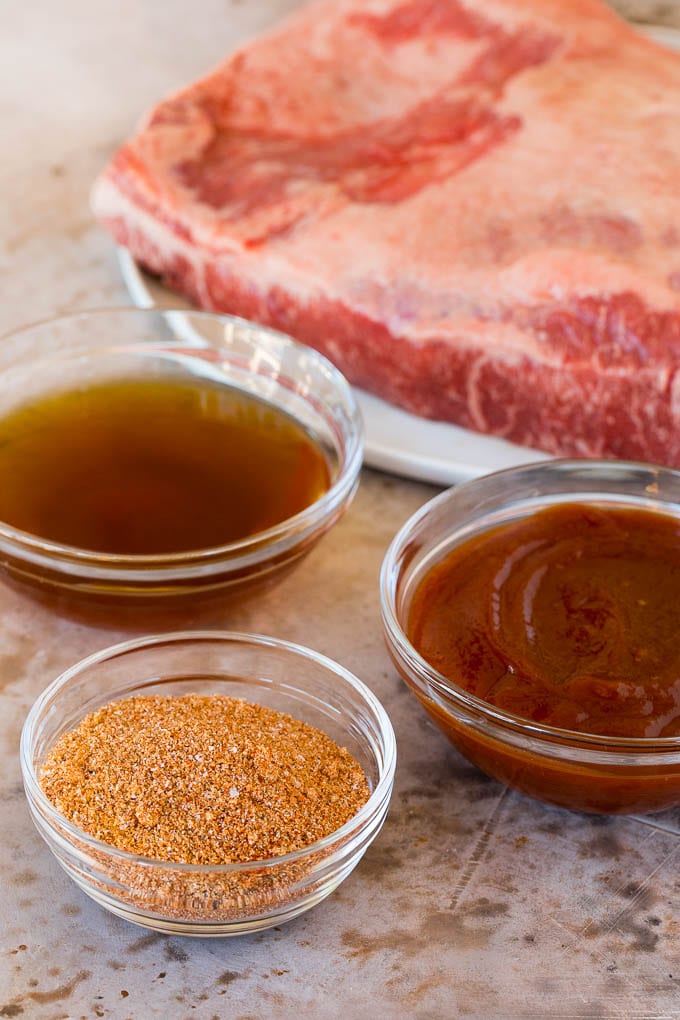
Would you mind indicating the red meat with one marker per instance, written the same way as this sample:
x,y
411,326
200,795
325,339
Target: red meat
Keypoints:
x,y
473,210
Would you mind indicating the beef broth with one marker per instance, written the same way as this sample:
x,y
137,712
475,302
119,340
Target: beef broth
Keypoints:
x,y
155,466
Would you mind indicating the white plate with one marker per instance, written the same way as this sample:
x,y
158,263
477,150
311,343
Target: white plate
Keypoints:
x,y
663,34
395,440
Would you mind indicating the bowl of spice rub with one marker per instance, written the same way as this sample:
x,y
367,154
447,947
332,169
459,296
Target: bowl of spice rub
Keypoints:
x,y
148,458
535,614
208,783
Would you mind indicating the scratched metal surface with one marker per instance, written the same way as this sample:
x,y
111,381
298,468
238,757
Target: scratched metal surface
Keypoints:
x,y
653,12
474,902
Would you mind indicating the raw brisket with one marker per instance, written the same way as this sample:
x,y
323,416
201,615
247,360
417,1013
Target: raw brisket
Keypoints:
x,y
472,209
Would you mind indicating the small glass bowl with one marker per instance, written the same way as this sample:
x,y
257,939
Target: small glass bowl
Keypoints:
x,y
230,899
583,772
108,344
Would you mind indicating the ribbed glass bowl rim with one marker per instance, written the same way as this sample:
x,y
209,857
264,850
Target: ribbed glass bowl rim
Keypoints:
x,y
465,706
59,825
262,542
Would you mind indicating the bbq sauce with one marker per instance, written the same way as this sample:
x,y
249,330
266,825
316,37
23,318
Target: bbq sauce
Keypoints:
x,y
156,466
568,617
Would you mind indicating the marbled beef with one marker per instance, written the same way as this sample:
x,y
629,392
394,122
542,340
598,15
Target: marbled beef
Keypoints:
x,y
472,209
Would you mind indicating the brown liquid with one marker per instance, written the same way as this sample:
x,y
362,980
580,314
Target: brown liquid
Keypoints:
x,y
155,466
567,617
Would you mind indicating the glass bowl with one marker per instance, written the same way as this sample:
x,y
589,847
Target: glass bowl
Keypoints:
x,y
105,345
229,899
583,772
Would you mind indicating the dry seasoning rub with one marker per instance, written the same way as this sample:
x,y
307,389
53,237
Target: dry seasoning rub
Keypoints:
x,y
567,617
155,466
202,779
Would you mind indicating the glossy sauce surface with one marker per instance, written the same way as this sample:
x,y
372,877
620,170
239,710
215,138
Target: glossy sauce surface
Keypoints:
x,y
154,466
569,617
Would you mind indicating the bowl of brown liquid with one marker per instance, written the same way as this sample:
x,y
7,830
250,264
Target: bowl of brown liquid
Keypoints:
x,y
152,457
534,614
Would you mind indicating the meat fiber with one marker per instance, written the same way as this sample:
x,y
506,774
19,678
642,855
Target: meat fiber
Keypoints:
x,y
472,209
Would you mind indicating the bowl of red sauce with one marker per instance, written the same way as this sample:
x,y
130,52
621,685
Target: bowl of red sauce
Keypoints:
x,y
535,614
